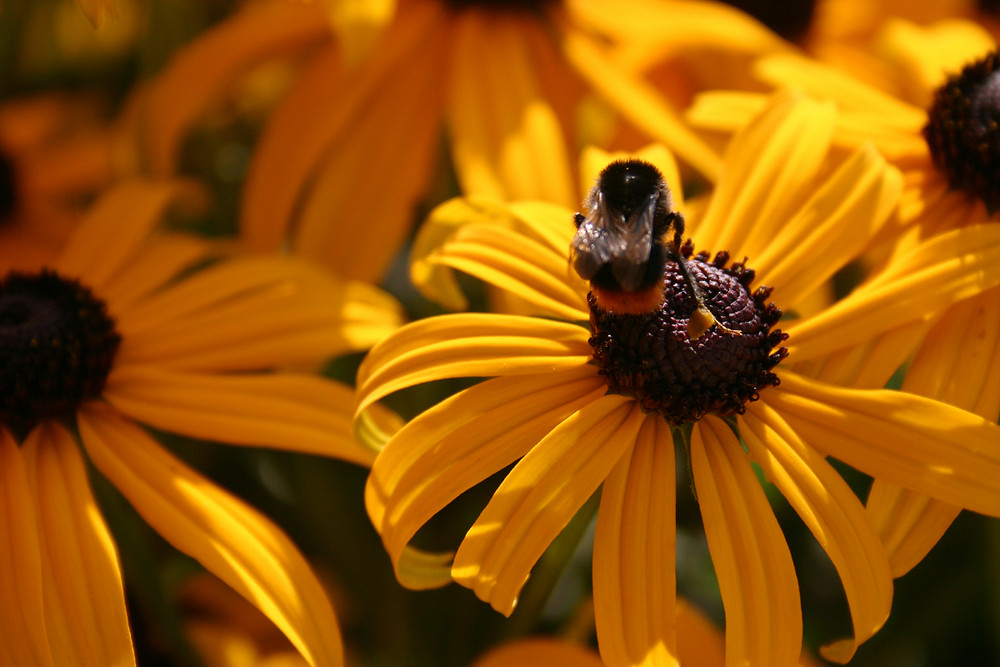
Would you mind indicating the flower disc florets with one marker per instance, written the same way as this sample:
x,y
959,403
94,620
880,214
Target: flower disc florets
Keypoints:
x,y
963,130
651,356
57,343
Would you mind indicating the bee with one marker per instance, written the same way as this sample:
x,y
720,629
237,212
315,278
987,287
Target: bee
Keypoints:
x,y
624,241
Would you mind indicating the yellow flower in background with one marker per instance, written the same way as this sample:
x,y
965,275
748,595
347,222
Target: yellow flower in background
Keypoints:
x,y
352,142
937,130
577,407
127,327
55,152
97,11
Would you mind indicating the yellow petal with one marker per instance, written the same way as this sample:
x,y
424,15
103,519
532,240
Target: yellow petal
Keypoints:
x,y
469,345
725,110
255,312
84,598
634,554
832,227
285,411
754,567
233,541
507,142
200,74
832,512
770,169
463,440
911,441
959,363
358,24
638,102
357,210
517,264
539,497
309,129
115,226
948,268
24,640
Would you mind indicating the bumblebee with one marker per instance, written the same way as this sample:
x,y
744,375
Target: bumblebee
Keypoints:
x,y
624,241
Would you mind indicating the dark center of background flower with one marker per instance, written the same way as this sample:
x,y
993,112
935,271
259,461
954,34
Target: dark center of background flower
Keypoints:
x,y
652,358
789,18
963,130
8,187
58,342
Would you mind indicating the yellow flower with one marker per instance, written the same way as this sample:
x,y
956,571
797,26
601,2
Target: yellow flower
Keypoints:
x,y
128,327
352,144
54,152
97,11
548,409
949,185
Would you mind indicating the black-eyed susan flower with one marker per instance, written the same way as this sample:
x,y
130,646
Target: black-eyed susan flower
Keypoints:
x,y
355,135
937,128
130,328
55,154
582,397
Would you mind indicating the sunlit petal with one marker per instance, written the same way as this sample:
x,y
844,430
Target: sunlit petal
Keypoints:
x,y
469,345
85,601
296,412
539,497
756,577
634,554
832,512
228,537
453,446
902,438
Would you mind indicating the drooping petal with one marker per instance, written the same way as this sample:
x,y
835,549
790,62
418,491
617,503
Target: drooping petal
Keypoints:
x,y
948,268
507,142
254,312
832,228
309,130
832,512
908,440
233,541
300,413
469,345
967,376
638,101
375,171
754,567
24,640
201,73
539,497
771,167
84,596
458,443
634,554
115,226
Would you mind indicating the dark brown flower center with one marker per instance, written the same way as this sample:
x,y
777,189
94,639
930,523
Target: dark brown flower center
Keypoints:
x,y
963,130
652,358
58,342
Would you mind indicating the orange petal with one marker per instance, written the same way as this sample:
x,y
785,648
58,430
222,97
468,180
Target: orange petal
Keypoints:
x,y
233,541
85,603
634,554
754,567
539,497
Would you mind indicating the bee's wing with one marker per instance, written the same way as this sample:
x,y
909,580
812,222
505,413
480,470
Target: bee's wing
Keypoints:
x,y
629,268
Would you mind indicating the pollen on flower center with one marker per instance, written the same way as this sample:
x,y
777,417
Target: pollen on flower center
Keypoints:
x,y
58,345
651,356
963,130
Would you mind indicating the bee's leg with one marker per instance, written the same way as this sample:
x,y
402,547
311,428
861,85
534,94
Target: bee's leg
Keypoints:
x,y
701,319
